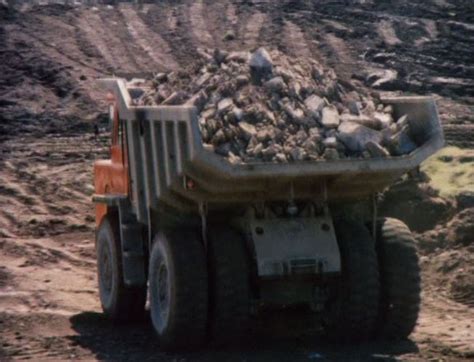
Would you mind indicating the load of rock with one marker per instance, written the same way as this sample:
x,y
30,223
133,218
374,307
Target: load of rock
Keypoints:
x,y
268,107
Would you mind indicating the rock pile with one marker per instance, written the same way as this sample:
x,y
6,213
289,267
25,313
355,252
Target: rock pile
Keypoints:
x,y
266,106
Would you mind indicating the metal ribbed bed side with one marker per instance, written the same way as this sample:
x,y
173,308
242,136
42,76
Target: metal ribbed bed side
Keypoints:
x,y
158,148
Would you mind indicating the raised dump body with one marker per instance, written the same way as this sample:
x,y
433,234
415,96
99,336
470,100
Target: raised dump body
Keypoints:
x,y
166,151
214,241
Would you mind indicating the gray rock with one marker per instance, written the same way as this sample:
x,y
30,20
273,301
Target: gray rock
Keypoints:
x,y
225,105
402,122
376,150
270,116
301,136
401,143
208,113
369,107
298,154
383,79
296,115
276,84
264,134
257,150
220,55
314,132
260,63
330,142
229,35
198,100
203,79
315,105
205,134
241,80
331,154
218,138
248,130
270,151
295,90
236,114
385,119
354,107
287,74
208,147
239,57
312,146
330,117
355,136
161,77
362,119
234,159
211,125
175,98
280,157
223,149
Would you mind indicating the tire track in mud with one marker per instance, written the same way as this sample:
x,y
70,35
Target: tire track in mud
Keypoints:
x,y
231,15
295,40
172,19
135,60
198,24
339,56
152,43
387,32
64,203
171,23
252,27
272,31
61,48
214,15
92,30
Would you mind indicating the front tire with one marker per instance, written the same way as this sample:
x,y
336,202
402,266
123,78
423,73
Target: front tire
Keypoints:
x,y
400,279
119,302
178,290
353,303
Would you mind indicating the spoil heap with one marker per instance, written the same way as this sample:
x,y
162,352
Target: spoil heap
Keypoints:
x,y
268,107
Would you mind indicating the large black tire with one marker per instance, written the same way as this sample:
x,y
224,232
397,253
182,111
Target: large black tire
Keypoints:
x,y
400,279
228,285
120,303
178,290
353,303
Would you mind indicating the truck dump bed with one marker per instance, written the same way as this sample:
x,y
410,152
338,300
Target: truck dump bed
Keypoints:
x,y
168,163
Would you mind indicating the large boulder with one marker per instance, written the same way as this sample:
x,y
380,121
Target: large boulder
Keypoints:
x,y
355,136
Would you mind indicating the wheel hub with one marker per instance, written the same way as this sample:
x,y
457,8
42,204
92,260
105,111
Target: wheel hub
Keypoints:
x,y
160,294
106,270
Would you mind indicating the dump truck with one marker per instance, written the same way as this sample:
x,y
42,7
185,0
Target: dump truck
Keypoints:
x,y
214,243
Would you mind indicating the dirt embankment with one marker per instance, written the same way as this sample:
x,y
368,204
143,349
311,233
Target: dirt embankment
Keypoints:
x,y
50,58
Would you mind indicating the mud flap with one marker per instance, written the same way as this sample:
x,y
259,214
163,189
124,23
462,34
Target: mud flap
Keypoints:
x,y
133,255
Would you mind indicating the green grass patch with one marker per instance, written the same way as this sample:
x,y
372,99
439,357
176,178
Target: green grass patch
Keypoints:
x,y
451,171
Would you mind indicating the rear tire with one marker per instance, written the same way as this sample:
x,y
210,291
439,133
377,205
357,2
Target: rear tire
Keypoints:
x,y
228,285
353,303
400,279
120,303
178,290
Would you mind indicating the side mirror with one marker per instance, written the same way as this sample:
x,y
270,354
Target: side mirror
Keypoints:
x,y
110,100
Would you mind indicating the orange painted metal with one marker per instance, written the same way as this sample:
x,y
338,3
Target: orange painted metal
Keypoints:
x,y
111,176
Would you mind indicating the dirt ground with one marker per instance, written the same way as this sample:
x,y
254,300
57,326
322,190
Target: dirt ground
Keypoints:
x,y
50,58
